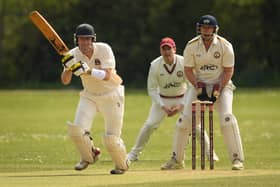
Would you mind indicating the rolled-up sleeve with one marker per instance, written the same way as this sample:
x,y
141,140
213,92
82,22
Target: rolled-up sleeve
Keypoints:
x,y
153,86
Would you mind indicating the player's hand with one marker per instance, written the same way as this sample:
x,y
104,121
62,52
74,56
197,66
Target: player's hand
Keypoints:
x,y
201,91
68,61
166,110
215,93
175,109
77,67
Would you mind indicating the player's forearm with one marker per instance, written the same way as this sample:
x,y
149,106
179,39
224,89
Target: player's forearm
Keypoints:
x,y
153,93
227,75
66,77
108,74
190,75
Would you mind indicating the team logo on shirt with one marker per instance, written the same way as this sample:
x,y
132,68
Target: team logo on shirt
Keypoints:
x,y
97,62
180,74
217,54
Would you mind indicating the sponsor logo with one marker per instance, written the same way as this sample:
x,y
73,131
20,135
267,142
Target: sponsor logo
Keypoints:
x,y
208,67
172,85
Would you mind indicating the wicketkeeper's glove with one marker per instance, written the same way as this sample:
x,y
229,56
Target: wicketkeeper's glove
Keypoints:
x,y
215,93
78,68
201,92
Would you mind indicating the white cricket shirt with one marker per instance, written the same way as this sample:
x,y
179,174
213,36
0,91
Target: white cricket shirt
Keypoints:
x,y
102,58
166,80
208,65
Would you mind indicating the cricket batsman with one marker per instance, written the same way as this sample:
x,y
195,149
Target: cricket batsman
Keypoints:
x,y
94,63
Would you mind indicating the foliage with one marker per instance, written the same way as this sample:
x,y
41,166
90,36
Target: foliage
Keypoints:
x,y
134,29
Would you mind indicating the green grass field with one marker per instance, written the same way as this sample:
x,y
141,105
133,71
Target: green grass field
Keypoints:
x,y
35,149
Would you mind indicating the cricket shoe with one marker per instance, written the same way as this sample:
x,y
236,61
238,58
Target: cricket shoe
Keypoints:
x,y
128,162
117,171
132,157
215,157
96,153
81,165
172,164
237,165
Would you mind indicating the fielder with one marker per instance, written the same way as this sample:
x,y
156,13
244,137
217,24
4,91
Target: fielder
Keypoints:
x,y
209,66
94,63
166,87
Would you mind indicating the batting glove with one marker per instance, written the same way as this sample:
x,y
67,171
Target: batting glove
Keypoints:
x,y
68,61
215,93
79,68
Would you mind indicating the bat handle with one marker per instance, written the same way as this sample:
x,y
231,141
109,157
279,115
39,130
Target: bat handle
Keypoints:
x,y
88,72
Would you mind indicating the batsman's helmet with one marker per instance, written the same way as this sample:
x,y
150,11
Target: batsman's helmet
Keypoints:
x,y
207,20
84,30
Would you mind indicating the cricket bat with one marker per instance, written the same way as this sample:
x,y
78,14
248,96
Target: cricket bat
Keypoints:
x,y
50,34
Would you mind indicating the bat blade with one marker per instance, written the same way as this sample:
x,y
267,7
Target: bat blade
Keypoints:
x,y
50,34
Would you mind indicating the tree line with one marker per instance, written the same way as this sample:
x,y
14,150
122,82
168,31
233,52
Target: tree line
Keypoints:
x,y
134,29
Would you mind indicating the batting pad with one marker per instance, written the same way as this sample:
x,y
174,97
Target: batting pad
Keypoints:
x,y
82,142
230,130
117,150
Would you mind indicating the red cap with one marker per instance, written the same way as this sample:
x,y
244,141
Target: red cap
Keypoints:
x,y
167,41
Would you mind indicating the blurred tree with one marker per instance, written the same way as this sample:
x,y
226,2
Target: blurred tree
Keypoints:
x,y
134,29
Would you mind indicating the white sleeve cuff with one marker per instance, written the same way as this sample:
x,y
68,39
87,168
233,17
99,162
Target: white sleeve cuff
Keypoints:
x,y
99,74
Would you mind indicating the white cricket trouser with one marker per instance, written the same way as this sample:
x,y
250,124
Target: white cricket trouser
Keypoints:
x,y
224,108
110,105
153,121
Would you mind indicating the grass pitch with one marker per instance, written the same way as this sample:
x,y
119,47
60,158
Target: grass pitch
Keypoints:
x,y
35,150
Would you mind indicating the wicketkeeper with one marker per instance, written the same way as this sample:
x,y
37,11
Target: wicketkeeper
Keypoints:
x,y
209,66
94,63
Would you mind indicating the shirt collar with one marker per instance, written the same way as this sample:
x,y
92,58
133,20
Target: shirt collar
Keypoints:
x,y
174,61
84,56
214,42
